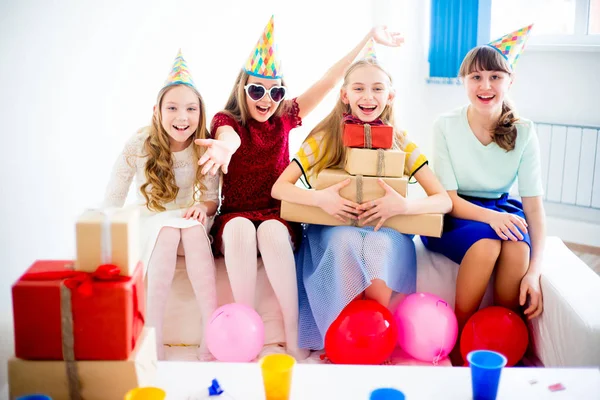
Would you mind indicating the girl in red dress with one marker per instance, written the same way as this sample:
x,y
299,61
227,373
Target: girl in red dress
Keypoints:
x,y
251,147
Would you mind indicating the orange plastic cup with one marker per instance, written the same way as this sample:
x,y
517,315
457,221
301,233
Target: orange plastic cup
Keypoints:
x,y
146,393
277,375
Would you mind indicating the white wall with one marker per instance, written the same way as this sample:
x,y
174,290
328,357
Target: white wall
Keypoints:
x,y
79,77
556,87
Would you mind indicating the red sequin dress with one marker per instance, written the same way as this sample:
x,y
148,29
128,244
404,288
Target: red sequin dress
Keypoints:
x,y
262,156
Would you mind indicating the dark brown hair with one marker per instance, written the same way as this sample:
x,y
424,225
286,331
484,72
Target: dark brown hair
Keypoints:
x,y
486,58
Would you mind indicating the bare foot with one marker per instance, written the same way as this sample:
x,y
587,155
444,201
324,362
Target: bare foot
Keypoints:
x,y
298,354
274,348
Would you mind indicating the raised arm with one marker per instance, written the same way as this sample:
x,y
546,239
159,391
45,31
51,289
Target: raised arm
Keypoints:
x,y
317,92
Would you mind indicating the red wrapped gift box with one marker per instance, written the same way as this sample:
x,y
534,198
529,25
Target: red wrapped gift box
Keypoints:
x,y
107,309
381,136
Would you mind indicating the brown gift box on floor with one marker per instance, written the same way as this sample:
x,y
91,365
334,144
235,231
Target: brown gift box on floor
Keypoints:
x,y
421,224
371,190
99,380
382,163
108,237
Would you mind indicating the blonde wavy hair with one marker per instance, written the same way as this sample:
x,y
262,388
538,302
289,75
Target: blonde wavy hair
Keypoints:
x,y
160,187
331,128
485,58
236,106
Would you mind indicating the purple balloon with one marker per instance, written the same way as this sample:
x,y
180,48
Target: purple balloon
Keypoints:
x,y
235,333
427,327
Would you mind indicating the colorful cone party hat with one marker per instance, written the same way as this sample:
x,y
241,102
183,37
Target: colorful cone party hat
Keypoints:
x,y
369,50
264,61
180,73
511,46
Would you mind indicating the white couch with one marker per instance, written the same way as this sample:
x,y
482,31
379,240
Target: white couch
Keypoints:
x,y
567,334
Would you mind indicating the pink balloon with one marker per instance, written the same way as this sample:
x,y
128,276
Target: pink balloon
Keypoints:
x,y
235,333
427,327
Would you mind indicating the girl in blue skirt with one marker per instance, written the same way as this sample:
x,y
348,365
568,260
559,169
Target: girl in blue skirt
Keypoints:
x,y
336,264
480,150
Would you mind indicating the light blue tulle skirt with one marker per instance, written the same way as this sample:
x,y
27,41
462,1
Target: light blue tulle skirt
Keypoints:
x,y
336,263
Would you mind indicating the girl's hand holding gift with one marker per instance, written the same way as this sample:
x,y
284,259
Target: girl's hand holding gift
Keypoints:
x,y
393,203
506,225
217,155
331,202
197,212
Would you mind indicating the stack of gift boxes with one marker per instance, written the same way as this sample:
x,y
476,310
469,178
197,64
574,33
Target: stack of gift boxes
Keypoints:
x,y
369,156
79,325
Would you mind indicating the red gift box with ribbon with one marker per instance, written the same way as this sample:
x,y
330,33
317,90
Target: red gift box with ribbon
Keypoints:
x,y
61,314
368,136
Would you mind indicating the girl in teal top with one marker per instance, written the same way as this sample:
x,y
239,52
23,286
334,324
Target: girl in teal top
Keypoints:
x,y
480,150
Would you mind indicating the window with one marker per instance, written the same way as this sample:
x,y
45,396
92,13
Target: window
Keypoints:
x,y
556,22
594,27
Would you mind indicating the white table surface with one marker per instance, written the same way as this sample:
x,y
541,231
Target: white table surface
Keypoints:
x,y
313,382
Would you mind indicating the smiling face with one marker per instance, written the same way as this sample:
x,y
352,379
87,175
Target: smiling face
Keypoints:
x,y
367,91
486,89
264,108
487,78
180,115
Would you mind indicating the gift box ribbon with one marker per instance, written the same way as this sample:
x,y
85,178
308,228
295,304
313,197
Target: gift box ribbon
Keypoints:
x,y
81,283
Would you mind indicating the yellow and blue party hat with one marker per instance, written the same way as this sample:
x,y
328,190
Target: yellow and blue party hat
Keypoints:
x,y
369,50
264,61
179,73
511,46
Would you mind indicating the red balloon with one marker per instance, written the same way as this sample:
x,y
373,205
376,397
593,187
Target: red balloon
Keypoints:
x,y
364,333
498,329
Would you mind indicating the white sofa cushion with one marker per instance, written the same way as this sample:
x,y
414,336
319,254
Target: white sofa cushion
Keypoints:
x,y
567,333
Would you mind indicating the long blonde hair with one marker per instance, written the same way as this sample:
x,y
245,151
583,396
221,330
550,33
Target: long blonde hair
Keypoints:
x,y
334,151
160,187
485,58
236,106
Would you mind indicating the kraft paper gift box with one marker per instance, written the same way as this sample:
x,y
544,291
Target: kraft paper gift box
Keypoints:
x,y
365,185
421,224
106,311
90,380
369,162
108,236
368,136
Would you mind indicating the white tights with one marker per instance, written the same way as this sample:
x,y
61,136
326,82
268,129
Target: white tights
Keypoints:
x,y
200,267
241,241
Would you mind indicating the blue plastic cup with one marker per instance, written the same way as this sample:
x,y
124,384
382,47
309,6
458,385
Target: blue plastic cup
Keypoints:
x,y
486,367
34,397
386,394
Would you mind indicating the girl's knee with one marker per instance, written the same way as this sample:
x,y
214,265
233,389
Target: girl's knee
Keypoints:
x,y
516,251
239,224
273,230
169,236
486,250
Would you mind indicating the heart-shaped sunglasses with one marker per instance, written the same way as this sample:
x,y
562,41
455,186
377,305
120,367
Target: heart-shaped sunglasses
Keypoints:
x,y
257,92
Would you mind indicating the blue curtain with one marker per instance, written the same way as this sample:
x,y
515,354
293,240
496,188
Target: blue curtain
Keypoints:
x,y
454,31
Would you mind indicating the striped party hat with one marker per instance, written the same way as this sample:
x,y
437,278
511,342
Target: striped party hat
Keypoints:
x,y
511,46
264,61
180,73
369,50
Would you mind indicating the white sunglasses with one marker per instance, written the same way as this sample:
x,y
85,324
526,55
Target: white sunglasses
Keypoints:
x,y
257,92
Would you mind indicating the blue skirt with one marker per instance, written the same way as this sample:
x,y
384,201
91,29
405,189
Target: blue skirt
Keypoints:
x,y
460,234
337,263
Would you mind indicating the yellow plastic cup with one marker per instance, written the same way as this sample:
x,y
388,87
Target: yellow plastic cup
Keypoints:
x,y
277,375
146,393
